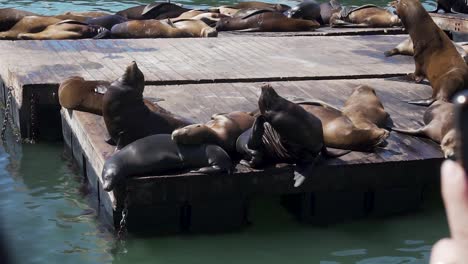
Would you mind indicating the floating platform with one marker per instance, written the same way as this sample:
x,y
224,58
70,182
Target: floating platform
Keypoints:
x,y
451,22
388,181
200,77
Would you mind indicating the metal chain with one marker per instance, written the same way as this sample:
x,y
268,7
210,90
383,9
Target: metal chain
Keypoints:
x,y
122,233
6,112
32,106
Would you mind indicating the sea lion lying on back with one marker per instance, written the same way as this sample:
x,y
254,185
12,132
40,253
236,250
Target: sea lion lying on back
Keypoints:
x,y
126,116
68,29
156,10
364,16
406,48
10,16
265,21
438,126
163,29
222,130
435,56
158,154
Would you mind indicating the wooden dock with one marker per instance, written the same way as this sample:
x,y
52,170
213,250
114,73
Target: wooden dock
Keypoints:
x,y
200,77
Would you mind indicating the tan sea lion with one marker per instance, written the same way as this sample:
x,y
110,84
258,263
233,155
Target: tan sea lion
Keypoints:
x,y
29,24
364,16
68,29
365,109
222,130
340,132
406,48
10,16
438,126
162,29
76,93
435,56
126,116
265,21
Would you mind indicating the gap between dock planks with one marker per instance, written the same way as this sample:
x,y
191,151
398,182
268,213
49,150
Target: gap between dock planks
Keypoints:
x,y
200,101
178,61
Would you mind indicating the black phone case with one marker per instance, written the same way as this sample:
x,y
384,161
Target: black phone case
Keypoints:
x,y
461,125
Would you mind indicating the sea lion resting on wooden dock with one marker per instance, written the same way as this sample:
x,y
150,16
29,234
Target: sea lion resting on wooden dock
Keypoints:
x,y
158,154
265,21
222,130
29,24
406,48
435,56
364,16
438,125
126,116
156,10
68,29
283,132
163,29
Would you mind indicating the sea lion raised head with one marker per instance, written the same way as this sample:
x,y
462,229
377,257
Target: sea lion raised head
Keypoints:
x,y
133,77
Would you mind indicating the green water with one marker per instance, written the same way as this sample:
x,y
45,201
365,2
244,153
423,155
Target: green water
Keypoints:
x,y
47,218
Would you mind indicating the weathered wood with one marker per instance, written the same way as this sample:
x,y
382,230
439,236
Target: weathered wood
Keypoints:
x,y
451,22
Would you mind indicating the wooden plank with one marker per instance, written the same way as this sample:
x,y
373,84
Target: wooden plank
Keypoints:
x,y
323,31
451,22
175,61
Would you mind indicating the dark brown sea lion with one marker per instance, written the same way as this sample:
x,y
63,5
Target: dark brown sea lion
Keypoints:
x,y
68,29
158,154
364,16
126,116
452,6
10,16
29,24
106,21
162,29
222,130
76,93
365,109
435,56
266,22
157,10
309,10
340,132
406,48
283,132
438,126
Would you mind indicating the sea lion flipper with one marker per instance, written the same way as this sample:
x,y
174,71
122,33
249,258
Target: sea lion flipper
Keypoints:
x,y
391,52
414,132
154,99
248,30
422,102
103,33
150,7
334,153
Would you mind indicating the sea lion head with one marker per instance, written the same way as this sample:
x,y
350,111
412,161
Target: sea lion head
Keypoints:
x,y
409,11
305,10
110,176
133,77
268,98
223,23
448,144
191,134
364,89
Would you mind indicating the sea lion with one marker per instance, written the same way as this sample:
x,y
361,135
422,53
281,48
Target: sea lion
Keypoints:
x,y
261,5
327,9
162,29
451,6
106,21
438,126
339,130
435,56
10,16
126,116
365,109
283,132
158,154
78,94
68,29
406,48
222,130
156,10
29,24
309,10
265,22
364,16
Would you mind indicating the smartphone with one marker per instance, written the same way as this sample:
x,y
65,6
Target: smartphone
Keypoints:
x,y
461,126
